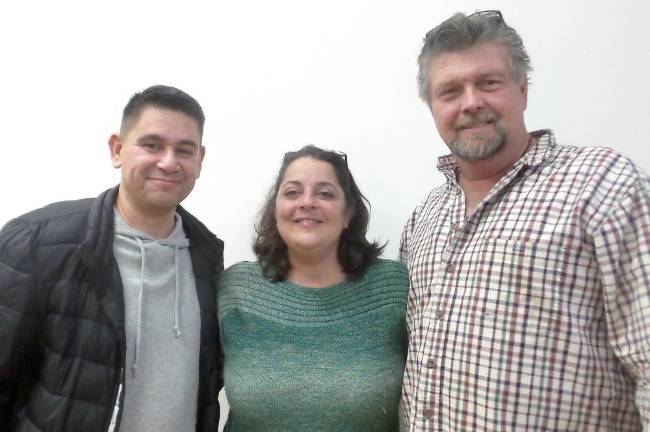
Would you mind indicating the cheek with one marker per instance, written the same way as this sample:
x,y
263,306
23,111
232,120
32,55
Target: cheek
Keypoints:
x,y
139,165
444,118
191,168
282,211
282,221
448,118
341,216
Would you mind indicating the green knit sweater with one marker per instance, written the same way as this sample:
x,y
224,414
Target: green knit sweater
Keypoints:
x,y
313,359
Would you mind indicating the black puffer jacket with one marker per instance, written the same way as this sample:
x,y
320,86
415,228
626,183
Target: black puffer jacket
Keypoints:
x,y
62,341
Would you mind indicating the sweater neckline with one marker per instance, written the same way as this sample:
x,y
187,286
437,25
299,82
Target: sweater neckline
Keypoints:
x,y
326,290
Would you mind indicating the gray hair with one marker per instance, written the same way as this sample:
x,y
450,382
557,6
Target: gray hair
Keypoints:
x,y
461,32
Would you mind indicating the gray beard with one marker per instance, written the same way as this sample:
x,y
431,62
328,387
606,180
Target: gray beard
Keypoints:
x,y
476,148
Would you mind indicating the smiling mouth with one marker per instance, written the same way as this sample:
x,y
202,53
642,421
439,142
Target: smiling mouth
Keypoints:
x,y
476,125
307,221
164,180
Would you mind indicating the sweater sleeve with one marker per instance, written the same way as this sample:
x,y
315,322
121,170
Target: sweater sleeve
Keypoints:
x,y
18,317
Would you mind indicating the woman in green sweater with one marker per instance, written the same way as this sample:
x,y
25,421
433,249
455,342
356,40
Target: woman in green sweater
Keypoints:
x,y
313,333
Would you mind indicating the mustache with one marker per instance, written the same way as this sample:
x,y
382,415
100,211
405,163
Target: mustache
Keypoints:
x,y
474,120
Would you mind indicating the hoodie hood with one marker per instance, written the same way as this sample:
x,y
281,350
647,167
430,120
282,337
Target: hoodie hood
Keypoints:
x,y
129,236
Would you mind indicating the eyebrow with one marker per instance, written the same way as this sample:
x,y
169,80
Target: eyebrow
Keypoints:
x,y
319,184
149,137
482,75
494,73
156,137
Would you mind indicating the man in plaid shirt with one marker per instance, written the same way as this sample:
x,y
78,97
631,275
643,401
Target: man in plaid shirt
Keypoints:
x,y
529,307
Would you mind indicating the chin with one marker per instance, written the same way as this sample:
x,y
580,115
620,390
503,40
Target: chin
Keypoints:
x,y
477,149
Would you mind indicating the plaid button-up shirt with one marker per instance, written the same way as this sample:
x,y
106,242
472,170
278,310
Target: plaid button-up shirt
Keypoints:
x,y
533,313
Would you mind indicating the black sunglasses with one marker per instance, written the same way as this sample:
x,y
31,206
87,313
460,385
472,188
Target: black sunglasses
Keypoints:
x,y
339,154
490,14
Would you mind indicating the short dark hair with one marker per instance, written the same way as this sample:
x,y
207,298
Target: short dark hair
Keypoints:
x,y
355,252
460,32
161,96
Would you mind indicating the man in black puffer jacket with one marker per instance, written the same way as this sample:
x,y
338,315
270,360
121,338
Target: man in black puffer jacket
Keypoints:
x,y
107,305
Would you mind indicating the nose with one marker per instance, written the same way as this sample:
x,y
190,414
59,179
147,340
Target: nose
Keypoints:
x,y
472,100
307,200
167,161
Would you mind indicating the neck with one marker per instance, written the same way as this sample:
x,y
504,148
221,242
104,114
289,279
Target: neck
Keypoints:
x,y
315,272
476,178
158,225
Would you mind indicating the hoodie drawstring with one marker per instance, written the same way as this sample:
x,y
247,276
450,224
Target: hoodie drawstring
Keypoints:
x,y
138,323
177,329
177,244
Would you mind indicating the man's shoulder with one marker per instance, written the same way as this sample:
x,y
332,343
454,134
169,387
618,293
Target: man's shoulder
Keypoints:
x,y
58,210
589,152
597,163
431,199
53,219
58,222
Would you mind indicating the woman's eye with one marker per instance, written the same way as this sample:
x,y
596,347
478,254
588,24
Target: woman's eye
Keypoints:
x,y
291,193
326,194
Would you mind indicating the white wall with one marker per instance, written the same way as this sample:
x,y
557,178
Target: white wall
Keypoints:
x,y
275,75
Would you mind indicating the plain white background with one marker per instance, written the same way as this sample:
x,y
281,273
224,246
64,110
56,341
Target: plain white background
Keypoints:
x,y
275,75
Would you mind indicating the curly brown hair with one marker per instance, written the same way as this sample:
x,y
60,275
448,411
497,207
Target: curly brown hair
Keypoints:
x,y
355,252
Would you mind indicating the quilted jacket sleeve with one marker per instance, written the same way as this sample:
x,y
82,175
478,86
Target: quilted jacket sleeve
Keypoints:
x,y
18,317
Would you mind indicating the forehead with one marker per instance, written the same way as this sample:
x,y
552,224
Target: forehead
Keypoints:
x,y
165,123
478,60
307,169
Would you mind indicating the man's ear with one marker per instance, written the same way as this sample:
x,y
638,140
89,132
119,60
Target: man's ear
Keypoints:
x,y
201,156
115,147
523,87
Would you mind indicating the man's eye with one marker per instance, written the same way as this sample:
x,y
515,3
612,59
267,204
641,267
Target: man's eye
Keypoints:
x,y
491,84
149,146
185,152
448,93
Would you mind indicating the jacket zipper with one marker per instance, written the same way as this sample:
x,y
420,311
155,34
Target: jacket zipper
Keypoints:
x,y
113,425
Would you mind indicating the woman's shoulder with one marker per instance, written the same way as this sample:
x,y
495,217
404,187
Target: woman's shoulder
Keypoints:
x,y
239,276
388,273
388,268
243,268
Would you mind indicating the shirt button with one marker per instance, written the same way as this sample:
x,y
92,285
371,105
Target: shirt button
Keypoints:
x,y
454,226
449,268
431,363
440,314
428,412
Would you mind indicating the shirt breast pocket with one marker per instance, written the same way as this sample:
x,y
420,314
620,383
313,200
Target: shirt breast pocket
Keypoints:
x,y
516,285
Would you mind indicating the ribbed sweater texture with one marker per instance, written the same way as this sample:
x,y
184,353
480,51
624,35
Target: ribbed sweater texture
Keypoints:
x,y
313,359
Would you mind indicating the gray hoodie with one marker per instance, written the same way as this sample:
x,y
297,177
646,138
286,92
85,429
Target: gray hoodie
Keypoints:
x,y
162,321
